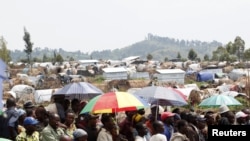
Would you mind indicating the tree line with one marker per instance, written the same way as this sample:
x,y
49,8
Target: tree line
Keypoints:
x,y
159,48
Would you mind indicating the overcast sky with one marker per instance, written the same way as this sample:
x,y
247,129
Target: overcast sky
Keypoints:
x,y
96,25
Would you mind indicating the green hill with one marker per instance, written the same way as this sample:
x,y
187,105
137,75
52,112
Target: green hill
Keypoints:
x,y
158,47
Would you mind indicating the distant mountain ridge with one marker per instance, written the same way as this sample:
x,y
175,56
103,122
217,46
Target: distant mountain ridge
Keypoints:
x,y
158,47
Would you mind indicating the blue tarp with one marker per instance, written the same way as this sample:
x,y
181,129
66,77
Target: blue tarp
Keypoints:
x,y
205,76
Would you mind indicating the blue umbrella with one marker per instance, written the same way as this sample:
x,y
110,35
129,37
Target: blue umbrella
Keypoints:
x,y
79,90
217,100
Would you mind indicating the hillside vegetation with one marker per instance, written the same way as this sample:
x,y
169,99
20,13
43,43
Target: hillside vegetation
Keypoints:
x,y
159,47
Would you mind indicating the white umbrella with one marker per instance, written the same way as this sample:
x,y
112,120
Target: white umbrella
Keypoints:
x,y
166,96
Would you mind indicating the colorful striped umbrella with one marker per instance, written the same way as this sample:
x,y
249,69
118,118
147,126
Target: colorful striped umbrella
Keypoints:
x,y
113,102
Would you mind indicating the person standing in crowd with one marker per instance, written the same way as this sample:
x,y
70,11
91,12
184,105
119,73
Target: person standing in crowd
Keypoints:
x,y
116,136
69,123
75,106
52,131
176,111
42,116
91,126
210,118
80,135
168,119
28,105
247,111
65,138
127,127
30,133
9,120
155,115
105,133
80,121
180,135
66,104
193,134
202,128
142,131
177,117
139,116
158,130
57,106
21,117
240,118
224,114
231,117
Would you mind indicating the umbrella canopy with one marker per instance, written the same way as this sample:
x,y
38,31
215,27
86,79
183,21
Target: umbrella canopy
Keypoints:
x,y
217,100
113,102
79,90
3,139
179,92
167,96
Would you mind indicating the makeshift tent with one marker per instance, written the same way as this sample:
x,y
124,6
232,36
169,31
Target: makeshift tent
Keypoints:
x,y
205,76
237,73
22,89
43,95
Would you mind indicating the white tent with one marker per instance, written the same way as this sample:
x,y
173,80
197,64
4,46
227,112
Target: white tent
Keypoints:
x,y
234,93
43,95
22,89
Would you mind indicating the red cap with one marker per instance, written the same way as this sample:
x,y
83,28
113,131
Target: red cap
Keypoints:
x,y
165,115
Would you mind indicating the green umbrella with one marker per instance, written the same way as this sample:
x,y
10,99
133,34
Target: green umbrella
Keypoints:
x,y
3,139
217,100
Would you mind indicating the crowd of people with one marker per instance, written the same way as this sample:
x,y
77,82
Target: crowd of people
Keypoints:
x,y
61,120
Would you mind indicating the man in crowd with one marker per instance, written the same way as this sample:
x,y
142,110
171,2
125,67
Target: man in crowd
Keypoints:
x,y
105,133
30,133
91,126
52,131
241,118
168,119
158,130
9,120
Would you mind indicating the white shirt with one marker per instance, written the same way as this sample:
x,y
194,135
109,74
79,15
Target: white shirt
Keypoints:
x,y
139,138
158,137
179,137
104,135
